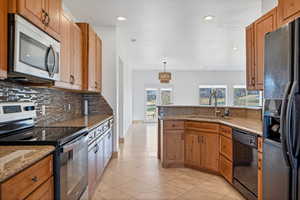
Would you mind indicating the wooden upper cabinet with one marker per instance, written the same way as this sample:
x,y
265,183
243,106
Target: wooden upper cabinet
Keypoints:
x,y
71,65
91,59
250,58
98,70
46,14
3,39
265,24
288,10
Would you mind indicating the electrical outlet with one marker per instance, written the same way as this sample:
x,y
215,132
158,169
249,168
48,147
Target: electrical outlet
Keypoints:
x,y
43,110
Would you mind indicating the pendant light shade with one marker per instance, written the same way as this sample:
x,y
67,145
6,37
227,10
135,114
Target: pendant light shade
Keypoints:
x,y
164,76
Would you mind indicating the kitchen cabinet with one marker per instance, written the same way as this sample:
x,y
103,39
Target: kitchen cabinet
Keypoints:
x,y
91,59
226,147
250,58
192,149
226,153
3,39
260,176
92,170
210,152
31,182
100,161
255,44
226,169
71,63
288,10
45,14
174,144
107,148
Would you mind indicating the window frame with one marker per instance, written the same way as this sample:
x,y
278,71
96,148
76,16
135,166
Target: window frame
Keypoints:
x,y
213,87
245,87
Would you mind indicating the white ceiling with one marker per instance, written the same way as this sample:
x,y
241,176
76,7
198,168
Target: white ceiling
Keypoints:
x,y
175,29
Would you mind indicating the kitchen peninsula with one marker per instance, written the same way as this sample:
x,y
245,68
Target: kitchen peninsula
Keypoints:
x,y
195,137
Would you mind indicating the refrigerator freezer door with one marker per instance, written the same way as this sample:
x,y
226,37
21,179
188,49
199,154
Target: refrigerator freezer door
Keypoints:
x,y
275,172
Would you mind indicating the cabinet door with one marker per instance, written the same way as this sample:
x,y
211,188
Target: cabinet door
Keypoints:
x,y
226,168
175,146
44,192
33,10
92,60
3,39
92,173
100,158
265,24
98,67
54,8
226,147
288,10
65,65
76,59
250,57
260,176
192,150
210,151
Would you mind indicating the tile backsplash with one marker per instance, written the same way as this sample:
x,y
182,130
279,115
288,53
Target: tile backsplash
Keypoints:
x,y
60,105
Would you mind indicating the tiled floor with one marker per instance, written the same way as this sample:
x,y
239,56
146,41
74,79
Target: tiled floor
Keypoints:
x,y
137,175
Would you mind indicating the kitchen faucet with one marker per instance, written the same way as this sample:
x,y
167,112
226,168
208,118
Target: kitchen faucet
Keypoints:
x,y
213,94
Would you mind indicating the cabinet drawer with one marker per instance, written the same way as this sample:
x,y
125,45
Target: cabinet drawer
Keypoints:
x,y
44,192
203,126
174,125
260,144
27,181
226,147
226,131
226,169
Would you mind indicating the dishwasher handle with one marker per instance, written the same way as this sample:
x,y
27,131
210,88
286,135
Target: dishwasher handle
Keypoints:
x,y
245,138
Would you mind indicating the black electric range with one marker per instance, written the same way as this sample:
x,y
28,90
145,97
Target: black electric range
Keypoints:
x,y
70,158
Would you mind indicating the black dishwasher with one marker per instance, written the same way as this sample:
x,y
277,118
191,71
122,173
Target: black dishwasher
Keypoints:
x,y
245,165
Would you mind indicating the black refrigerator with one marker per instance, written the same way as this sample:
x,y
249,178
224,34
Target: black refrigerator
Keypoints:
x,y
281,149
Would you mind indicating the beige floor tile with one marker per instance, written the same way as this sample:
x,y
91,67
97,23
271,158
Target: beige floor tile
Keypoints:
x,y
137,175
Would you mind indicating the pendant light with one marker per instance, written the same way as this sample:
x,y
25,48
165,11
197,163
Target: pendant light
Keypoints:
x,y
164,76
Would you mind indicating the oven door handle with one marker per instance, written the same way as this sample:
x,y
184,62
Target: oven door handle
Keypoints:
x,y
70,146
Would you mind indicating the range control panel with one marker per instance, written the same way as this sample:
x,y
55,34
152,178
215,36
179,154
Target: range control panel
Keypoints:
x,y
13,111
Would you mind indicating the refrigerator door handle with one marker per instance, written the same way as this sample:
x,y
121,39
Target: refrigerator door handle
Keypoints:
x,y
283,118
290,128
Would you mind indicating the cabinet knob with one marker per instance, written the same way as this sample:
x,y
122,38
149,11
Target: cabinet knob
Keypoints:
x,y
34,179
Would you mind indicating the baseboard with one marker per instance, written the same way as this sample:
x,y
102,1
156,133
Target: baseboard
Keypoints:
x,y
138,121
115,154
121,140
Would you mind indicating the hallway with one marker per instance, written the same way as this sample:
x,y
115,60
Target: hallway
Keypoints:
x,y
137,175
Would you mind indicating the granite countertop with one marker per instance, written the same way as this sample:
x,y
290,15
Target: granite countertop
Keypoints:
x,y
89,121
209,106
14,159
251,125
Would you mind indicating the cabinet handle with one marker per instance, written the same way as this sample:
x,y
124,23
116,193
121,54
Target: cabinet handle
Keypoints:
x,y
47,19
96,84
34,179
72,79
253,81
44,16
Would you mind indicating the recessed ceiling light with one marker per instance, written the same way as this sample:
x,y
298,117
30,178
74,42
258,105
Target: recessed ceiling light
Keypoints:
x,y
235,48
209,18
120,18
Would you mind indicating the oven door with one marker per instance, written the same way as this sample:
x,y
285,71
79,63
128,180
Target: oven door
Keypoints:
x,y
33,52
74,168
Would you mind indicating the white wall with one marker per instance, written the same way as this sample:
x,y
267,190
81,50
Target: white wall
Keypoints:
x,y
268,5
185,86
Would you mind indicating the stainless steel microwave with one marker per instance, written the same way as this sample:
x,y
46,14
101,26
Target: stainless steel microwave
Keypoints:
x,y
33,55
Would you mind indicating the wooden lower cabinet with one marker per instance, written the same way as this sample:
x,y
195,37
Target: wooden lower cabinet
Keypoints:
x,y
35,182
226,147
226,168
202,150
260,176
44,192
174,148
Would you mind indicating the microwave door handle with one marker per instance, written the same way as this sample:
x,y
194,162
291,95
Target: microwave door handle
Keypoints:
x,y
51,72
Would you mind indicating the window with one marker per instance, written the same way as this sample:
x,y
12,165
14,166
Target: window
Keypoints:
x,y
206,94
243,97
166,96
